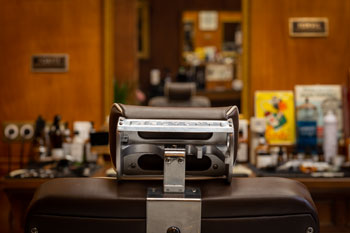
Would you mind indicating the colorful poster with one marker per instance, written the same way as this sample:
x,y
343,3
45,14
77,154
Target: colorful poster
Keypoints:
x,y
324,98
277,107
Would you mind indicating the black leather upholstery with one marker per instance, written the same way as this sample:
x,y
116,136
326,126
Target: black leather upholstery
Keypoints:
x,y
105,205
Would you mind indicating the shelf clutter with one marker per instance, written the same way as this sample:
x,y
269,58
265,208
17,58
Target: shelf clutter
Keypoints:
x,y
304,133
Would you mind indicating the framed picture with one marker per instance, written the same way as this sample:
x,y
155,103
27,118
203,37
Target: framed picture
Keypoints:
x,y
277,108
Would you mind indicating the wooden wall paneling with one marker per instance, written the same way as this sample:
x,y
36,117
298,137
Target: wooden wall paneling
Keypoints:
x,y
126,62
278,61
246,16
108,54
4,213
143,31
31,27
341,211
325,209
333,212
348,213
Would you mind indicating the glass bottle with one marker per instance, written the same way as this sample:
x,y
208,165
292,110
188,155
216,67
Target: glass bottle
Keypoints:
x,y
67,140
306,127
56,139
38,150
263,157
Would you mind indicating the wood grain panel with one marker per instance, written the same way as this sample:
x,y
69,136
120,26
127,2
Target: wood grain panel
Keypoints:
x,y
4,213
325,209
126,63
39,26
278,61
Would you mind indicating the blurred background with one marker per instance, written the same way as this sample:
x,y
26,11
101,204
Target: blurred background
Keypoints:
x,y
67,61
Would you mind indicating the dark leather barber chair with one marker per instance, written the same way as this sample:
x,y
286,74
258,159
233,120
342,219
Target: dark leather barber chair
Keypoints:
x,y
179,95
154,151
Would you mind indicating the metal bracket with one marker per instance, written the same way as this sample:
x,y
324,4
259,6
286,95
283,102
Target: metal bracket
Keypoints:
x,y
178,213
174,209
174,170
140,138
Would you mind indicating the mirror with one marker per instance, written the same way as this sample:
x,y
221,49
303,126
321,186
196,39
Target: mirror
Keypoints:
x,y
189,41
212,52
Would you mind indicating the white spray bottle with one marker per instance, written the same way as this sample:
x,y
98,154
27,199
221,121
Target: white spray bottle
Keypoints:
x,y
330,136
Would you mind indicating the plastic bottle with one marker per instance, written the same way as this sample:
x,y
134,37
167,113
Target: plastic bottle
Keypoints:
x,y
330,136
90,155
77,148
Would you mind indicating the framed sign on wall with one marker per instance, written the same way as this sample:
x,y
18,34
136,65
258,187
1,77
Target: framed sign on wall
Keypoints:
x,y
308,27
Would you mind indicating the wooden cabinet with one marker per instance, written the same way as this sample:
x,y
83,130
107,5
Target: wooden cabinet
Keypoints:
x,y
332,199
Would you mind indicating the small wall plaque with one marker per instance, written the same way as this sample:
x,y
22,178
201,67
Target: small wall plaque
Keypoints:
x,y
50,63
308,27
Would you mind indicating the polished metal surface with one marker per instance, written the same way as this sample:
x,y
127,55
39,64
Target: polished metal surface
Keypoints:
x,y
142,144
188,126
310,230
174,170
176,212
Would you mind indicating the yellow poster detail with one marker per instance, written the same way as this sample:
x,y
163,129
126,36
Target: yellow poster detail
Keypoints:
x,y
277,107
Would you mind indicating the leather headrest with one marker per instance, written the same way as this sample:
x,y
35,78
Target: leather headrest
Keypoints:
x,y
179,91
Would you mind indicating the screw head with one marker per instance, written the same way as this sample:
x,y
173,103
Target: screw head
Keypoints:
x,y
180,160
167,160
194,190
310,230
215,166
34,230
173,230
133,165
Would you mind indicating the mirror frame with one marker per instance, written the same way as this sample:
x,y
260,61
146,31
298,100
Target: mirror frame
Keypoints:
x,y
246,59
108,56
